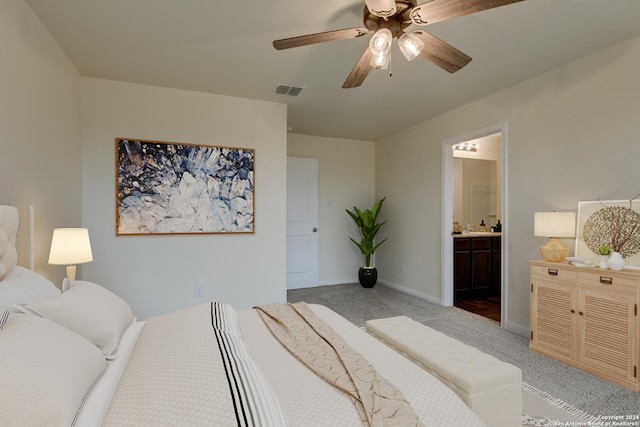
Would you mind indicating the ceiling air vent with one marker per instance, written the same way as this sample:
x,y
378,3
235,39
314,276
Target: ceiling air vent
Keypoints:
x,y
288,90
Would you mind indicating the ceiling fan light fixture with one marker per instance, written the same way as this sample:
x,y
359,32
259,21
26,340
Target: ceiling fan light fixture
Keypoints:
x,y
381,61
380,42
410,46
382,8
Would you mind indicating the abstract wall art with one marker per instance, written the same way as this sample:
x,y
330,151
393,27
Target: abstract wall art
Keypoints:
x,y
179,188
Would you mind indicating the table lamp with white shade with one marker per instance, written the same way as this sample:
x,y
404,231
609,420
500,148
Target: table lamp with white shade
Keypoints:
x,y
70,246
555,226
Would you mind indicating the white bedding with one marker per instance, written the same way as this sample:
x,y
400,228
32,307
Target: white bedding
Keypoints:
x,y
187,369
97,402
304,398
307,400
210,365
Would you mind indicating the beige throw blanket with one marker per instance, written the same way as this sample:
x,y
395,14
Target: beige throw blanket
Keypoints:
x,y
317,345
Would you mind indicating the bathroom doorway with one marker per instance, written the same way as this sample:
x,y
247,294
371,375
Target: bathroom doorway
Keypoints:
x,y
474,252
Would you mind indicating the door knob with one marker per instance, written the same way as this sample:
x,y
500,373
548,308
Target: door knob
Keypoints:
x,y
315,230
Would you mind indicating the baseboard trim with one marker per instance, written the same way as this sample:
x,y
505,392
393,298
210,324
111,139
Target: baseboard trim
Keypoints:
x,y
337,282
410,291
517,329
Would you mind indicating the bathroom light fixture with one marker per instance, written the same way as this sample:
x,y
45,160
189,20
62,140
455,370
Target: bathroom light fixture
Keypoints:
x,y
466,146
554,225
70,246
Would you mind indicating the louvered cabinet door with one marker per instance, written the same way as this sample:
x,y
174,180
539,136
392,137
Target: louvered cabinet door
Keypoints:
x,y
608,327
553,324
588,318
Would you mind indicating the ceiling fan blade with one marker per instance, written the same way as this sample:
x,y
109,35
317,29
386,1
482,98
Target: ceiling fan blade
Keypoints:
x,y
382,8
328,36
441,10
441,53
359,72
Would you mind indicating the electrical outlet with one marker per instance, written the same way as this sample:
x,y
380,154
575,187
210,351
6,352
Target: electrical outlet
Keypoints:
x,y
198,291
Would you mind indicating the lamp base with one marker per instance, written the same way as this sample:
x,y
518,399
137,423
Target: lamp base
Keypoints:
x,y
71,272
553,250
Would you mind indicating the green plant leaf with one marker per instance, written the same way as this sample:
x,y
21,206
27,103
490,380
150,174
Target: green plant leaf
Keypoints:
x,y
365,220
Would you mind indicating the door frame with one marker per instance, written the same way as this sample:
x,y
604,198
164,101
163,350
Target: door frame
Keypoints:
x,y
447,215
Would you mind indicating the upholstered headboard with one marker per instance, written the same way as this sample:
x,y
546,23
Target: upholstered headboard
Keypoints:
x,y
17,223
25,237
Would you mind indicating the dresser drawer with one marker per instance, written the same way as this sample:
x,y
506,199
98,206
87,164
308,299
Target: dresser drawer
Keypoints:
x,y
555,273
608,279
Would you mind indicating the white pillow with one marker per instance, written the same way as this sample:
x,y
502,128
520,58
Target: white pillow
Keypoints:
x,y
23,286
90,310
46,372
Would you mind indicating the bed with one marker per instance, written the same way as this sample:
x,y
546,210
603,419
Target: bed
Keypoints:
x,y
81,358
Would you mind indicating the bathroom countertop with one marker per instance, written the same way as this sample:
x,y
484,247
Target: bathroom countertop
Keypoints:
x,y
477,234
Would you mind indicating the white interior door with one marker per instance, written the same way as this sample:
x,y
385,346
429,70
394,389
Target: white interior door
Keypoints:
x,y
302,222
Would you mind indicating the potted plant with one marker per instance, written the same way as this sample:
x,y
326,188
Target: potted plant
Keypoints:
x,y
367,228
604,251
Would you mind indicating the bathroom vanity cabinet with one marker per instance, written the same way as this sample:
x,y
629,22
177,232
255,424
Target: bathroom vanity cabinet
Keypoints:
x,y
476,265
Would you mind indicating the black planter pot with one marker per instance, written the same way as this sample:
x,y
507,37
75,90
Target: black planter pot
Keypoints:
x,y
368,276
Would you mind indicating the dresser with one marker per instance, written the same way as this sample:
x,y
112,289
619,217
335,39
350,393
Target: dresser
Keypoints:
x,y
587,318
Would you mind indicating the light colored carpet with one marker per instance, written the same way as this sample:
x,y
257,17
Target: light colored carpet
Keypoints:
x,y
578,389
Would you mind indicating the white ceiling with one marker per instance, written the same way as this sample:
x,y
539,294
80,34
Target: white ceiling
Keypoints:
x,y
225,48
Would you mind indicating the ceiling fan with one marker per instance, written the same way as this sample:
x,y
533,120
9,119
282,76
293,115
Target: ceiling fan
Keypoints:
x,y
388,19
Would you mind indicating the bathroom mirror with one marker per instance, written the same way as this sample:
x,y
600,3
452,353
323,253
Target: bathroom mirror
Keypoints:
x,y
475,188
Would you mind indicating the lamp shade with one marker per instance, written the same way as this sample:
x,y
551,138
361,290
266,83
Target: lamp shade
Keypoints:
x,y
555,224
381,41
380,62
70,246
410,46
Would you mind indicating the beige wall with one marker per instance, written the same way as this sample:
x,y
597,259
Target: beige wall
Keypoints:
x,y
157,274
572,134
346,177
40,150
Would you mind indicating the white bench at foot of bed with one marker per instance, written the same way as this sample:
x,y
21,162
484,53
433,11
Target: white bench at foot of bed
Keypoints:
x,y
490,387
